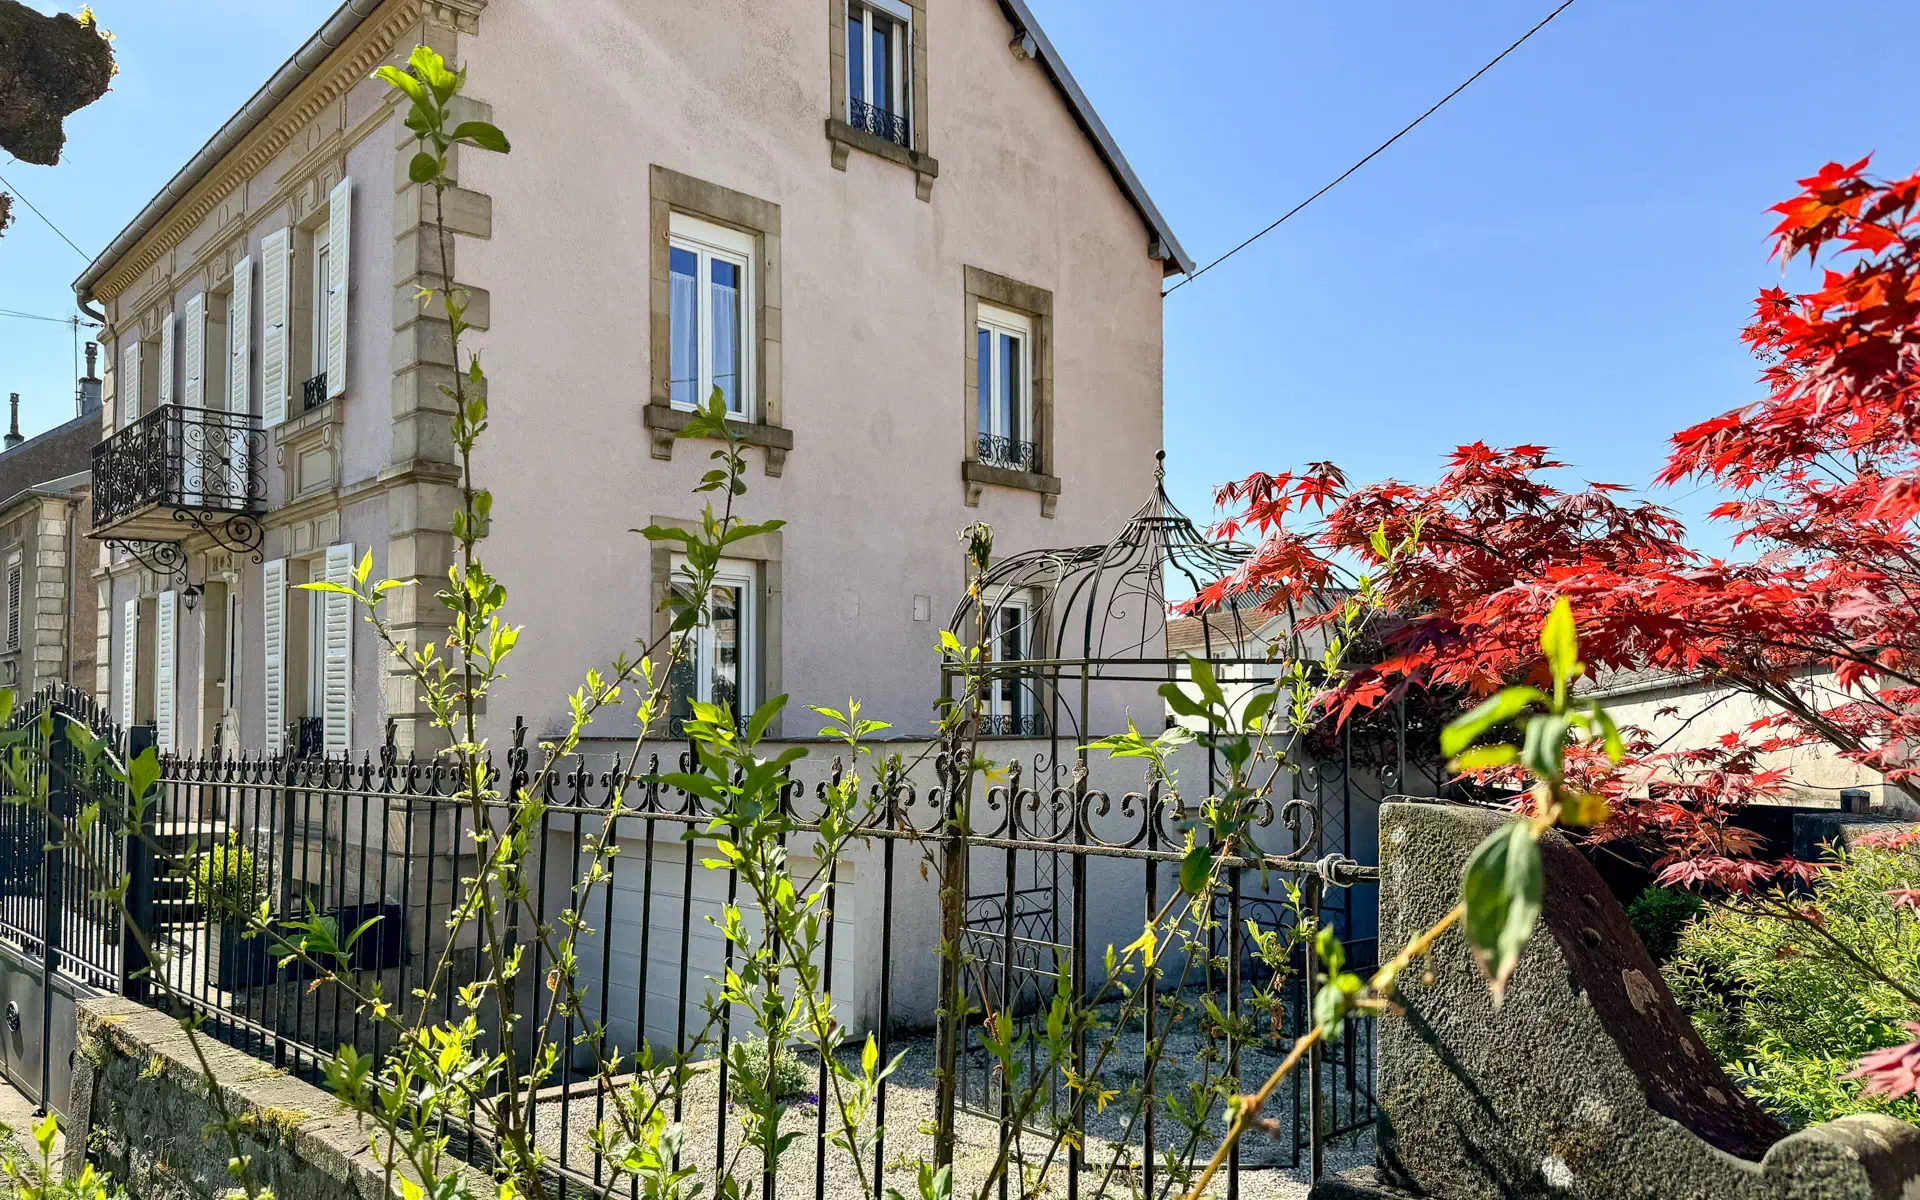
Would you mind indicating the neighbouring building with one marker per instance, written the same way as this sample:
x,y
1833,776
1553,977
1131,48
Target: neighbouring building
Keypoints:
x,y
46,601
895,235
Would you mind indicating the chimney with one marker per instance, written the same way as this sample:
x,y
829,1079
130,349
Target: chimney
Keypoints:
x,y
90,382
13,437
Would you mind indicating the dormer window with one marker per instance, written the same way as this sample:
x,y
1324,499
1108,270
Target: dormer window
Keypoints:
x,y
879,54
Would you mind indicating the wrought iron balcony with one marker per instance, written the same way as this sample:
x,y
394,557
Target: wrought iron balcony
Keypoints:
x,y
1015,724
178,471
314,392
869,118
1007,452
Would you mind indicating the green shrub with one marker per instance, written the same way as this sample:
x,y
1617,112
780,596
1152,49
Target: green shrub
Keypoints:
x,y
791,1077
227,882
1786,1013
1659,915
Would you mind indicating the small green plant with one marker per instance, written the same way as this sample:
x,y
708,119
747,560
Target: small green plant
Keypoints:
x,y
31,1176
227,882
791,1077
1659,915
1788,1006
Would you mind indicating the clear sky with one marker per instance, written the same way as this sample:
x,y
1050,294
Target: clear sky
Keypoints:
x,y
1564,254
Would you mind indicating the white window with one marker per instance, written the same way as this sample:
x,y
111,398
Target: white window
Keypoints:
x,y
723,657
322,289
879,51
316,644
1004,342
1009,703
710,322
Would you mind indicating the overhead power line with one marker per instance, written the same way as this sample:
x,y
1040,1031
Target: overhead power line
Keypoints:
x,y
27,316
50,225
1376,152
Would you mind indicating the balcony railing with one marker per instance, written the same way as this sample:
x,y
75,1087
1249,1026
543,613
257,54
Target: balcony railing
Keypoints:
x,y
314,393
180,458
1011,453
869,118
1014,724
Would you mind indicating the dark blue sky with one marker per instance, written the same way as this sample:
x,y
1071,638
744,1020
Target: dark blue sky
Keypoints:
x,y
1564,254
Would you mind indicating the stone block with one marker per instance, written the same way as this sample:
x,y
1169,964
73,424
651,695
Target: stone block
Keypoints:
x,y
1589,1081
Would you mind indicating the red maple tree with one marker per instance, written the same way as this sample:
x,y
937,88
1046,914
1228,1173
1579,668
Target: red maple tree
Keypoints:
x,y
1815,616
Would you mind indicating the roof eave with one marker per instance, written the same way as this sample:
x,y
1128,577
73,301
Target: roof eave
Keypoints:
x,y
1164,246
304,61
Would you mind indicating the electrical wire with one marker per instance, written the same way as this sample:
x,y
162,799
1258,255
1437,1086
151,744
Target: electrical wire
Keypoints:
x,y
27,316
1375,153
50,225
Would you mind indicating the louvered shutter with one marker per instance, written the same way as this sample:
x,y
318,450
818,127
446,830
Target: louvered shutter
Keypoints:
x,y
166,359
275,295
13,606
195,332
337,665
339,237
126,389
273,629
163,673
129,651
240,339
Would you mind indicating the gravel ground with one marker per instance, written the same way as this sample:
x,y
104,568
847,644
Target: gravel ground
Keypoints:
x,y
1265,1173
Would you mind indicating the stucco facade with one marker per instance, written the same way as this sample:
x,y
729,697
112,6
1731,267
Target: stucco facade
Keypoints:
x,y
869,260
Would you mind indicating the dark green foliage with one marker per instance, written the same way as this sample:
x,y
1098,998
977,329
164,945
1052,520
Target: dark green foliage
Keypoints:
x,y
1659,915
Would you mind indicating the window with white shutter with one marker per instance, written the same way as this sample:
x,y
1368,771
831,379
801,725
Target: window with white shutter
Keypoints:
x,y
240,339
193,333
166,358
339,234
126,389
273,630
276,299
337,654
166,621
129,656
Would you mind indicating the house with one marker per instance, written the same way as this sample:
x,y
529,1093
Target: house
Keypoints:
x,y
46,607
895,236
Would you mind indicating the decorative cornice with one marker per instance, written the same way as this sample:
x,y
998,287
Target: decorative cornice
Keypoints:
x,y
352,62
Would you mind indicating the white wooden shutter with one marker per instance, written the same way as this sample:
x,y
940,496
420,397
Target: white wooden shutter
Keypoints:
x,y
337,668
163,672
13,606
166,359
126,389
240,339
273,628
275,299
194,393
129,652
339,237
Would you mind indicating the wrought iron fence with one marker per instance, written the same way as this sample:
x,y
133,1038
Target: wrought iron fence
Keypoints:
x,y
1011,453
387,838
871,118
313,393
1053,872
188,458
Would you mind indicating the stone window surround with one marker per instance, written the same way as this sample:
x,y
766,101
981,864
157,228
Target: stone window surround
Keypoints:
x,y
669,192
843,138
1036,304
767,551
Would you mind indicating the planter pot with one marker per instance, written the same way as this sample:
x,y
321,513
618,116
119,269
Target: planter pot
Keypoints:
x,y
236,962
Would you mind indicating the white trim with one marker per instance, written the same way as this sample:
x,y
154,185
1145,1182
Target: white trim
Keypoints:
x,y
998,322
273,639
336,658
709,243
276,295
339,247
744,578
166,630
